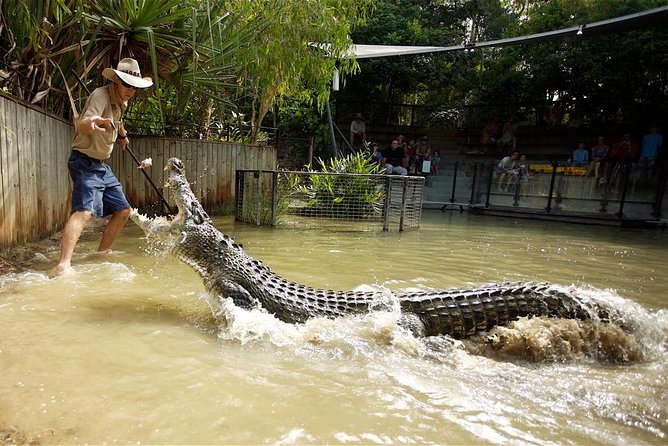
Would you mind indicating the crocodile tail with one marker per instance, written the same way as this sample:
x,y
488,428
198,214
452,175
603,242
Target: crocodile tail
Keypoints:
x,y
463,313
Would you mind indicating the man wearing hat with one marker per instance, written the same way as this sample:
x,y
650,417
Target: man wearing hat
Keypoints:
x,y
96,190
358,132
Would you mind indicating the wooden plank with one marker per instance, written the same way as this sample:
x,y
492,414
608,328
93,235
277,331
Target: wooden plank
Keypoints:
x,y
13,213
158,153
34,134
5,202
26,161
42,177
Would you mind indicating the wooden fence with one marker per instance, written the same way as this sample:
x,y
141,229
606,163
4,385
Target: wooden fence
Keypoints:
x,y
36,188
34,181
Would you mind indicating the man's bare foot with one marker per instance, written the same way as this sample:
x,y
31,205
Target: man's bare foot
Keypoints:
x,y
61,271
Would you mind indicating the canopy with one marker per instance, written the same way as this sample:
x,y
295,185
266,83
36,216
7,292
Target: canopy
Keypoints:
x,y
642,19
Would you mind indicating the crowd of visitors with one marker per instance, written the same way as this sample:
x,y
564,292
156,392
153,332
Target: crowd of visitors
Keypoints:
x,y
599,160
400,157
497,137
403,158
512,169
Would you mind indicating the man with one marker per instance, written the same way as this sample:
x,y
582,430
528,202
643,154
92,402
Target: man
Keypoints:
x,y
422,154
95,187
651,146
358,132
394,159
506,167
623,151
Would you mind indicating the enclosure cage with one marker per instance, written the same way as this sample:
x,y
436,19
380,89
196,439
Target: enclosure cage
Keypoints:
x,y
324,199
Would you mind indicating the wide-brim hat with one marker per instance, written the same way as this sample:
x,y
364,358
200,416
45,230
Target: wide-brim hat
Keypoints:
x,y
128,71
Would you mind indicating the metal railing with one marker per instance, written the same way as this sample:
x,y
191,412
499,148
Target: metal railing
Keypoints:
x,y
621,190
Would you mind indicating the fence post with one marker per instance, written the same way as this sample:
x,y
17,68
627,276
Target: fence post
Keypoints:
x,y
625,186
518,189
454,182
660,192
403,202
473,181
258,213
274,198
548,208
489,183
388,191
239,196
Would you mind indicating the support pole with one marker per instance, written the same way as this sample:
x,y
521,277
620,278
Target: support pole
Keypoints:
x,y
331,129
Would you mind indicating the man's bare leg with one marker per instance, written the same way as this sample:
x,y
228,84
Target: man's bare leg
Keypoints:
x,y
114,226
71,234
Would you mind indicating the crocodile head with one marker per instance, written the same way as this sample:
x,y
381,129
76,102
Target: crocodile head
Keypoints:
x,y
190,211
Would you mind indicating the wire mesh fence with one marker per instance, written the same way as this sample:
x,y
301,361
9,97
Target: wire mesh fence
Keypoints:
x,y
322,199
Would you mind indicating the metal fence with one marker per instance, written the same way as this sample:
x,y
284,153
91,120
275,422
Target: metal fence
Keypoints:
x,y
624,191
335,200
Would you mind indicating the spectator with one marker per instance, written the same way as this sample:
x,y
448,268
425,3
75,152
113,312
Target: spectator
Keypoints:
x,y
649,153
520,173
508,135
376,155
410,154
490,134
651,146
435,162
394,159
598,153
623,151
580,155
358,132
422,153
506,167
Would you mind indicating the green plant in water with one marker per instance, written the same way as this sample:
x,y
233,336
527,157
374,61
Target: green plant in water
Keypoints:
x,y
344,189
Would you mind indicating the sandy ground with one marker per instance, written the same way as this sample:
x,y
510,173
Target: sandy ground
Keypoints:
x,y
19,258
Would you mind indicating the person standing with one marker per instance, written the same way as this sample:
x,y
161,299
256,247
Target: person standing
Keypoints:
x,y
508,135
358,132
651,146
422,154
598,153
95,188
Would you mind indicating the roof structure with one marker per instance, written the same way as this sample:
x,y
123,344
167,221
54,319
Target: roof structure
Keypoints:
x,y
651,17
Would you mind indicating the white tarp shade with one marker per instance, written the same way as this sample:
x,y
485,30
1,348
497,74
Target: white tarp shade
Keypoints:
x,y
366,51
656,16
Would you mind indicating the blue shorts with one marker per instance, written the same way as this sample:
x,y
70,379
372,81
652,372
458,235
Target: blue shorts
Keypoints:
x,y
96,189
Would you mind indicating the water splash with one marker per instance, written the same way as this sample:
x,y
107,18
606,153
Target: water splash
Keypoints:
x,y
637,335
641,335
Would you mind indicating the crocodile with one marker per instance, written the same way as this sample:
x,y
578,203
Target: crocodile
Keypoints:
x,y
229,272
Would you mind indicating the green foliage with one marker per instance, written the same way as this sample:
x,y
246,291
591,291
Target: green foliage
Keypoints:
x,y
345,188
297,51
615,77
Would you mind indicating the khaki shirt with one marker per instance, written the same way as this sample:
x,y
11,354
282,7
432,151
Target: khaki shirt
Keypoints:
x,y
104,103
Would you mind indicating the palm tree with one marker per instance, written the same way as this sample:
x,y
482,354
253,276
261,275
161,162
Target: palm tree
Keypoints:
x,y
184,45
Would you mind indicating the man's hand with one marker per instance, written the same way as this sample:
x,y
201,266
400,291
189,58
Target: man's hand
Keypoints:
x,y
123,142
99,124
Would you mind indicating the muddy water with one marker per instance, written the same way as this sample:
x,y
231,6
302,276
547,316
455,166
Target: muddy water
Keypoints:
x,y
128,351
